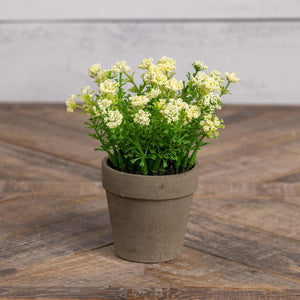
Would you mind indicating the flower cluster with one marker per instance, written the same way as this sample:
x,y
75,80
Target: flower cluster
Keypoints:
x,y
139,100
113,119
158,125
109,87
142,117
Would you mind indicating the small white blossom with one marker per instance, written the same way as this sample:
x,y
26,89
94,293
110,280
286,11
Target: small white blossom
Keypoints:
x,y
200,65
154,76
94,70
146,63
161,103
179,103
109,87
139,100
210,124
211,99
215,73
142,117
114,119
96,111
206,84
154,93
102,76
173,109
120,67
192,112
104,104
231,77
174,85
71,104
167,65
85,90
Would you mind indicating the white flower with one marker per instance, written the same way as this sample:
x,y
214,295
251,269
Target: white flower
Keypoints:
x,y
215,73
210,124
85,90
167,65
211,99
206,84
211,84
179,103
217,122
109,87
232,77
199,65
173,109
139,100
120,67
71,104
142,117
154,93
114,119
102,76
154,76
192,112
104,104
94,70
145,64
96,111
174,85
161,103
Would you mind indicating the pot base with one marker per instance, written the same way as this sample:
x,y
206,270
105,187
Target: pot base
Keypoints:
x,y
146,261
148,214
148,231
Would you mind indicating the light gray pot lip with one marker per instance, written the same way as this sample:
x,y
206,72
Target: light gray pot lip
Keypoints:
x,y
160,177
147,187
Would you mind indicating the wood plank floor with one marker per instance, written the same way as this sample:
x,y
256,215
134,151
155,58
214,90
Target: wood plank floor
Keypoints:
x,y
243,237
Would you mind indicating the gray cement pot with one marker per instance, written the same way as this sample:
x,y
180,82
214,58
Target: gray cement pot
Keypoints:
x,y
148,213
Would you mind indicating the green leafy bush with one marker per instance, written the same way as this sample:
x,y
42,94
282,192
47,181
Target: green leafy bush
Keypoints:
x,y
157,126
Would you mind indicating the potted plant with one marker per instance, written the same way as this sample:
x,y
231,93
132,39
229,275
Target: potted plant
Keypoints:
x,y
151,131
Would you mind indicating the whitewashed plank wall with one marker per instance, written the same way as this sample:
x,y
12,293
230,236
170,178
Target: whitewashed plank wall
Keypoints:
x,y
46,47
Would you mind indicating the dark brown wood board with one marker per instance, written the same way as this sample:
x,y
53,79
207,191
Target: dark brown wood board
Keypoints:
x,y
243,235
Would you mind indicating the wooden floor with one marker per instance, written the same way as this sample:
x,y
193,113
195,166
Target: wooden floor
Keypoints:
x,y
243,237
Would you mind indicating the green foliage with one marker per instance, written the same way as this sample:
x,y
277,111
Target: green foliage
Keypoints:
x,y
155,127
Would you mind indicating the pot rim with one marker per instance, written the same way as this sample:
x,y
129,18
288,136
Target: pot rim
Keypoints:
x,y
149,187
192,170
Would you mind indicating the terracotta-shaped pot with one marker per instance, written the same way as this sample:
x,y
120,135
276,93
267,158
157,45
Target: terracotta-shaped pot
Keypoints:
x,y
148,213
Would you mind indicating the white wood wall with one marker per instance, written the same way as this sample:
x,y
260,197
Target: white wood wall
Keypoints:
x,y
46,47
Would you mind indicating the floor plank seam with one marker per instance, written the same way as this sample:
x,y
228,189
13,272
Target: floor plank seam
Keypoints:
x,y
45,121
273,179
50,154
53,259
49,224
244,264
198,196
200,212
250,149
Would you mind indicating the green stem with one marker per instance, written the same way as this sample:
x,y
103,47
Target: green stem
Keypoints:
x,y
156,165
111,157
131,80
194,154
120,86
225,89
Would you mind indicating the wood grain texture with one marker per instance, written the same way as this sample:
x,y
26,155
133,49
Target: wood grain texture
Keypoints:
x,y
146,293
56,56
243,233
193,269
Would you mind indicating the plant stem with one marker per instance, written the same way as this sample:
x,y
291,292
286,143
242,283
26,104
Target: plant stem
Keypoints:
x,y
131,80
225,89
193,156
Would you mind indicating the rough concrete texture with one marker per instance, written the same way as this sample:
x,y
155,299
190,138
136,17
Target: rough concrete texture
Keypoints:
x,y
148,213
